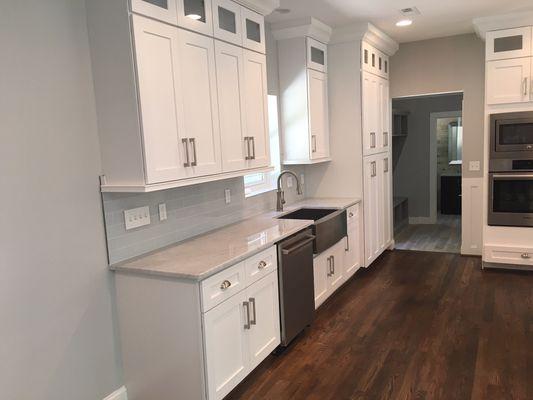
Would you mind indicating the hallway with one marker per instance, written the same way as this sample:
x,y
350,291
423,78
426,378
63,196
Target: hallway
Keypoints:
x,y
444,236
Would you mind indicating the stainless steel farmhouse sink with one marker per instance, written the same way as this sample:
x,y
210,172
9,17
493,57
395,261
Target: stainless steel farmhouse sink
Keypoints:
x,y
329,226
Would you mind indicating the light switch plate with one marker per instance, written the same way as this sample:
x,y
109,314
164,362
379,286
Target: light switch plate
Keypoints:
x,y
162,212
227,194
137,217
474,166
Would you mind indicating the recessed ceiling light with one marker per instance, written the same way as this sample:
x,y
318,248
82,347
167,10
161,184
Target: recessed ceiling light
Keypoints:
x,y
404,22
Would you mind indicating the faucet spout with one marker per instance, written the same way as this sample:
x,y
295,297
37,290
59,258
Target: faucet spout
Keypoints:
x,y
281,194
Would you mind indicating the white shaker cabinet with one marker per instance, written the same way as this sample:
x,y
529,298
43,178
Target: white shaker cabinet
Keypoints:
x,y
509,43
318,114
163,10
328,272
509,81
353,258
227,23
386,182
257,141
196,15
201,124
253,30
376,114
161,103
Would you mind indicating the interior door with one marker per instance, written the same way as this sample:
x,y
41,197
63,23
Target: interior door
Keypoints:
x,y
163,10
198,80
318,114
230,86
158,72
226,345
508,81
264,316
256,100
371,113
320,274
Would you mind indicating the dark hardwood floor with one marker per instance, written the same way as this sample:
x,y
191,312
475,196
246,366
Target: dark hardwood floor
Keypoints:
x,y
416,325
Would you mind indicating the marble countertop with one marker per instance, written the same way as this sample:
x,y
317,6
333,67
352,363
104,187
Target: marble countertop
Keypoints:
x,y
205,255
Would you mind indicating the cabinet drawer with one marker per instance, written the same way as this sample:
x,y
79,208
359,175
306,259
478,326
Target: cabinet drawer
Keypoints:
x,y
509,255
222,286
352,214
260,265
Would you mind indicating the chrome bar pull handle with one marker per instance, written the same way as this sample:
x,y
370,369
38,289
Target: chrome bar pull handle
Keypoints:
x,y
333,263
246,307
192,141
253,320
386,162
385,139
347,248
373,140
252,138
526,86
247,143
187,163
313,143
329,266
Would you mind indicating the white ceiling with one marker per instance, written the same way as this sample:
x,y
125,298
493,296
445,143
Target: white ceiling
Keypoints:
x,y
438,18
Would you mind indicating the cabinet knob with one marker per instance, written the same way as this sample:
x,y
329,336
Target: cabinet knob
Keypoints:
x,y
351,214
262,265
226,284
526,256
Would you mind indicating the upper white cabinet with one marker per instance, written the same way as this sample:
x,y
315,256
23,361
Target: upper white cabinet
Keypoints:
x,y
196,15
509,43
374,61
253,30
376,104
161,101
227,21
317,54
509,81
304,115
163,10
176,106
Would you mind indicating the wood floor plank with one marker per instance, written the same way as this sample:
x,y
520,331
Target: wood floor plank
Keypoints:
x,y
416,325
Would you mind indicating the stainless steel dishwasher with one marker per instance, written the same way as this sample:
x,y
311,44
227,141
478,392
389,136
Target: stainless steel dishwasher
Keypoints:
x,y
296,284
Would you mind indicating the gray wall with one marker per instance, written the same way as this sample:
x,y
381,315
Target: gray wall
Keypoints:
x,y
411,154
56,329
450,64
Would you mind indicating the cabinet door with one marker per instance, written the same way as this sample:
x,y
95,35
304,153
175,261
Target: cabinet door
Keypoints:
x,y
386,185
256,100
318,114
264,333
158,74
196,15
352,257
317,55
336,276
320,274
227,24
163,10
509,43
508,81
198,72
384,115
226,345
230,85
371,113
371,210
253,30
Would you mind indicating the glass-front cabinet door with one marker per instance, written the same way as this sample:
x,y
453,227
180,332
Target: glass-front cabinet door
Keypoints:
x,y
253,28
227,21
196,15
316,55
163,10
509,43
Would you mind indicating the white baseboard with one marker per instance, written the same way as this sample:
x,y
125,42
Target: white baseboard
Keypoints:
x,y
119,394
421,221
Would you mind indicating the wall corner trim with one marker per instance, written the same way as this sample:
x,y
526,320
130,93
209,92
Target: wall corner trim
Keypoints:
x,y
119,394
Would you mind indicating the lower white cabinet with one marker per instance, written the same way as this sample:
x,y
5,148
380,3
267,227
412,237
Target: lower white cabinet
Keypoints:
x,y
377,205
328,271
353,257
240,333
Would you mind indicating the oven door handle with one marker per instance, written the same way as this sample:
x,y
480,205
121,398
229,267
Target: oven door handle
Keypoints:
x,y
511,176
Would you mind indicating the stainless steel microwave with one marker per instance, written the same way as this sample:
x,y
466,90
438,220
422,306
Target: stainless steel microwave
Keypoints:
x,y
511,136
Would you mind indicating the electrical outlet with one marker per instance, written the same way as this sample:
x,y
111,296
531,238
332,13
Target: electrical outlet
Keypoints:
x,y
289,181
474,166
162,212
227,194
137,217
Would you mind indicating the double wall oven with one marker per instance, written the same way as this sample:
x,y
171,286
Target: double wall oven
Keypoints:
x,y
511,170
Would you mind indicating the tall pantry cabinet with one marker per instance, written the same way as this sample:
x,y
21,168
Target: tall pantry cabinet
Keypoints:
x,y
377,156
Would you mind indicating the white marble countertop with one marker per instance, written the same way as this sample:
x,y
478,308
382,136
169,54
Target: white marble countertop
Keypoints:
x,y
205,255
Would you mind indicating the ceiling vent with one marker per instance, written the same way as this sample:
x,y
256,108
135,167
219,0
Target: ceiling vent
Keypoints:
x,y
410,11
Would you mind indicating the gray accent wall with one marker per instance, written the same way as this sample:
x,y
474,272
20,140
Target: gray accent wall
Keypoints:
x,y
56,314
411,154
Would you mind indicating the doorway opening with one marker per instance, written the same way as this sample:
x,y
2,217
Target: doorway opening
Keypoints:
x,y
427,163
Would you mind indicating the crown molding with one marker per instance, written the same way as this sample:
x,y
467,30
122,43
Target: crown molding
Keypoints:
x,y
263,7
367,32
302,27
483,25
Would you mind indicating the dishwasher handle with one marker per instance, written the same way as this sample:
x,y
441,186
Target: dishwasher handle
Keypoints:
x,y
299,245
